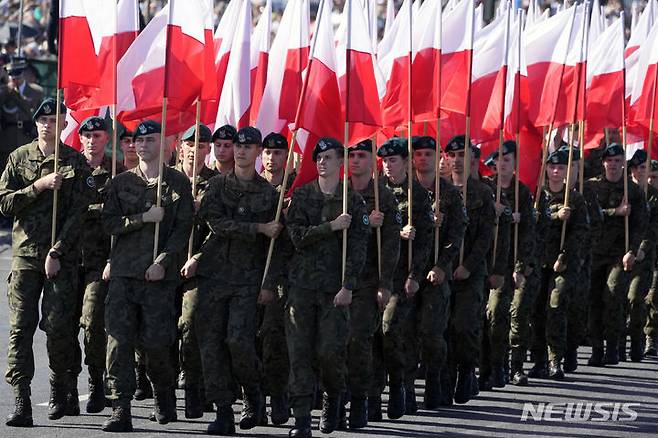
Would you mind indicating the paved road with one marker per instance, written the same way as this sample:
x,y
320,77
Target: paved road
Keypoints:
x,y
495,413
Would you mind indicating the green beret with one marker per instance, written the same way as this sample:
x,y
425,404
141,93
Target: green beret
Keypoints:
x,y
612,150
456,143
394,146
226,132
204,134
560,156
93,123
274,140
364,145
575,154
325,144
639,158
48,107
147,127
248,135
423,142
123,132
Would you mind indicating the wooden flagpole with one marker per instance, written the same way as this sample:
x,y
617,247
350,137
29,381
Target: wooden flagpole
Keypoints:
x,y
410,151
378,230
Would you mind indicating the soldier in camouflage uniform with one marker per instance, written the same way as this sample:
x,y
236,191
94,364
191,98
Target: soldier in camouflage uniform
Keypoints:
x,y
636,306
222,146
239,208
95,245
612,261
560,264
317,324
272,331
140,309
130,158
469,274
434,293
651,326
373,288
398,349
26,192
190,355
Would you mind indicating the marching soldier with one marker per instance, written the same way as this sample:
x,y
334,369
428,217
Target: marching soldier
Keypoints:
x,y
317,323
222,141
140,309
26,192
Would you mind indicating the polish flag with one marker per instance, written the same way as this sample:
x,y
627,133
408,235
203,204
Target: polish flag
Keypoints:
x,y
426,67
209,90
260,51
284,77
547,48
111,40
356,75
235,97
642,28
390,15
517,93
643,98
596,25
605,80
78,62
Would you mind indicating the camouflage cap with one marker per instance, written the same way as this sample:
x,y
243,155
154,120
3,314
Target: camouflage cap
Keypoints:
x,y
274,140
205,135
93,123
147,127
423,142
226,132
325,144
363,145
248,135
638,158
394,146
48,107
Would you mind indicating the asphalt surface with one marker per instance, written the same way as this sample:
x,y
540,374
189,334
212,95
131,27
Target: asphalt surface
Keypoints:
x,y
603,392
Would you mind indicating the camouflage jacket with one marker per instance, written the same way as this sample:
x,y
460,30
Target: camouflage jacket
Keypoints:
x,y
422,221
390,239
201,230
577,228
95,242
610,195
131,195
32,211
317,260
235,252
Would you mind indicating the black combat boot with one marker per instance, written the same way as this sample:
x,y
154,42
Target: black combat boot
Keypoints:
x,y
251,410
359,413
329,418
396,401
498,377
121,418
475,386
280,413
539,370
57,403
611,352
447,387
165,406
302,428
72,400
375,409
518,377
636,349
432,397
22,415
555,370
571,360
463,389
96,401
144,389
193,406
224,423
596,359
484,382
410,404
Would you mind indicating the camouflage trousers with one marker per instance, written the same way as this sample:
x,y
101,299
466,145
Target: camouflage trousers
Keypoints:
x,y
636,306
495,335
92,320
651,326
139,313
317,334
225,325
549,318
365,320
58,321
579,291
607,296
520,310
273,346
466,319
190,354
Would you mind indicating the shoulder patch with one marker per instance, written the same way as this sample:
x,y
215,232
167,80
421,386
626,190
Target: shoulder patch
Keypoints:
x,y
398,218
91,182
366,219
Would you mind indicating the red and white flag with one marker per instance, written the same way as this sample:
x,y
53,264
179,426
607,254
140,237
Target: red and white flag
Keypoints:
x,y
426,67
209,90
644,104
235,98
642,28
284,77
260,51
355,60
517,94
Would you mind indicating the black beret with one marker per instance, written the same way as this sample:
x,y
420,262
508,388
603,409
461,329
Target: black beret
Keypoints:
x,y
639,158
93,123
456,143
364,145
509,147
204,134
123,132
575,154
325,144
147,127
612,150
394,146
226,132
274,140
423,142
248,135
560,156
48,107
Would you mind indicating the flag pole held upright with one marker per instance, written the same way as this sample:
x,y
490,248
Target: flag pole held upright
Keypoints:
x,y
197,122
410,151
